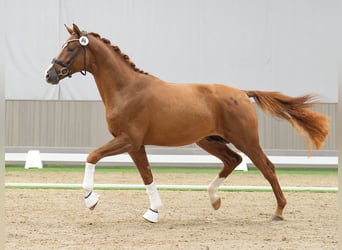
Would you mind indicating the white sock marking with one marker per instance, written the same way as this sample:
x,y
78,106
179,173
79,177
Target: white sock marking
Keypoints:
x,y
88,181
213,186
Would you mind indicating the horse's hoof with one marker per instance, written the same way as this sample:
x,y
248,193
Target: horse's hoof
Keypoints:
x,y
277,218
91,200
92,208
216,204
151,216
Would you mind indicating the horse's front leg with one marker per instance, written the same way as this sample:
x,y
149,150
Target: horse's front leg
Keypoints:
x,y
140,159
116,146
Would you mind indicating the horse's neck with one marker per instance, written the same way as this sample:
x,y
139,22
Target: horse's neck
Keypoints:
x,y
113,77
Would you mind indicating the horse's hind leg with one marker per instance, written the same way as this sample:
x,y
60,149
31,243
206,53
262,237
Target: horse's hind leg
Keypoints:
x,y
217,147
140,159
260,160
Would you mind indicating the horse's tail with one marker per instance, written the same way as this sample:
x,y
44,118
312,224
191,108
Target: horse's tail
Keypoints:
x,y
309,124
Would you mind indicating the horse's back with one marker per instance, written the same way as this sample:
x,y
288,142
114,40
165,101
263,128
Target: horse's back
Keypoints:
x,y
211,101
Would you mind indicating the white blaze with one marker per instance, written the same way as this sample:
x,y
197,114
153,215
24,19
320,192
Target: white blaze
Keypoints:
x,y
51,65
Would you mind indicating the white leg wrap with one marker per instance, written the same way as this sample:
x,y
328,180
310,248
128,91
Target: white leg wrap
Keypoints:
x,y
91,200
213,186
151,216
153,195
88,181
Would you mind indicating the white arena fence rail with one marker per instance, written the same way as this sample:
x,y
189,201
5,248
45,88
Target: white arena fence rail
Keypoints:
x,y
168,160
39,159
167,187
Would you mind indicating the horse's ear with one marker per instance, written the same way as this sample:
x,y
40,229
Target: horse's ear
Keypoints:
x,y
68,29
76,29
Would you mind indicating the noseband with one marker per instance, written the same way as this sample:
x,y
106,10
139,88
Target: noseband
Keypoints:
x,y
65,70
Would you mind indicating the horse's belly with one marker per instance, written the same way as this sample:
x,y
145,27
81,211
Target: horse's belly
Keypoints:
x,y
167,141
178,132
171,141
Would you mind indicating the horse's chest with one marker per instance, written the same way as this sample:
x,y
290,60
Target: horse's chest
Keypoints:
x,y
120,119
113,120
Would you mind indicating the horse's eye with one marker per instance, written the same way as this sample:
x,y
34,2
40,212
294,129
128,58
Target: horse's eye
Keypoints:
x,y
70,49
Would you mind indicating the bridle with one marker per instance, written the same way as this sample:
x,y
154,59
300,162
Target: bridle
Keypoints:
x,y
65,70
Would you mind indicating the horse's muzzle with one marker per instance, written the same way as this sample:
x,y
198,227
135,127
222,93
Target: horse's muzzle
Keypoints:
x,y
51,75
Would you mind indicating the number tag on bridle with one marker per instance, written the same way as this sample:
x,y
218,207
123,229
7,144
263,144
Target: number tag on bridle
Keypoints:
x,y
84,40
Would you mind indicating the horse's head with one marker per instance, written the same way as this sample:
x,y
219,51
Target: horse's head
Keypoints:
x,y
72,57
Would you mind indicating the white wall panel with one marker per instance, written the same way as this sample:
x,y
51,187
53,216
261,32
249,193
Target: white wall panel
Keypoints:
x,y
287,46
31,38
304,47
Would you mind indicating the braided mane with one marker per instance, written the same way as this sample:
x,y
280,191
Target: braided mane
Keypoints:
x,y
117,50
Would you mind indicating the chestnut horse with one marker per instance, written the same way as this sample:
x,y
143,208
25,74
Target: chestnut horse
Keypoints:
x,y
142,109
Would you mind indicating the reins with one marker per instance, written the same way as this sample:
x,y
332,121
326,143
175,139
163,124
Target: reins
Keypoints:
x,y
65,71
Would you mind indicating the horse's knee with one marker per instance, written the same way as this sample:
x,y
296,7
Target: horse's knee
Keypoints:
x,y
93,157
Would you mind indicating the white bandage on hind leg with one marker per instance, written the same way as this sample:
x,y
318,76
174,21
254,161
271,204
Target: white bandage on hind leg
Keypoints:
x,y
88,181
213,186
155,202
